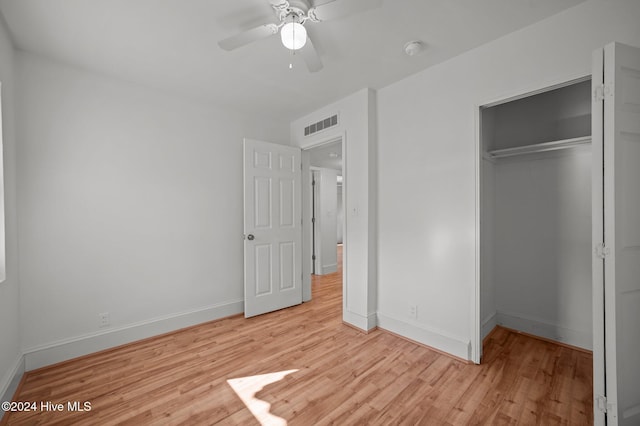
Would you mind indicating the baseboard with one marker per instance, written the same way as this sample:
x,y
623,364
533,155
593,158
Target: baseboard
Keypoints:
x,y
11,380
438,340
329,269
549,331
63,350
364,323
488,324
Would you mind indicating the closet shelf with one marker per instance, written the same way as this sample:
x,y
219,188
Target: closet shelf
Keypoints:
x,y
540,147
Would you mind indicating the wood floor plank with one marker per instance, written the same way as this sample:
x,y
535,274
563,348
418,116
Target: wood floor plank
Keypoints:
x,y
343,376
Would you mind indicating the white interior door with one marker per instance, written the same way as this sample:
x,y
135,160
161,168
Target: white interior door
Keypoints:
x,y
272,227
621,160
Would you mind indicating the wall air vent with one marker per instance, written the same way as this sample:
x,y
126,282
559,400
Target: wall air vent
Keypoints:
x,y
321,125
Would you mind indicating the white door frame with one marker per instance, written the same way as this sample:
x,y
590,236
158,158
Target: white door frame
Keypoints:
x,y
597,229
306,207
540,87
315,235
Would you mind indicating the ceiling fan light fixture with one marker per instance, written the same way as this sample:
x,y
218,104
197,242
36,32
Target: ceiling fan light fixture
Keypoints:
x,y
293,35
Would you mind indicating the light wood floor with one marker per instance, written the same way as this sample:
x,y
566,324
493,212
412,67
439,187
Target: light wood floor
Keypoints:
x,y
343,377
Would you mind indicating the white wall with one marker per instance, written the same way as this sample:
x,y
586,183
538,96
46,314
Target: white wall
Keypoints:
x,y
130,202
542,245
11,365
357,127
427,164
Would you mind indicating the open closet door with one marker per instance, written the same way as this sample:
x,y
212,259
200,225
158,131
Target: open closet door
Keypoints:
x,y
597,224
272,227
620,154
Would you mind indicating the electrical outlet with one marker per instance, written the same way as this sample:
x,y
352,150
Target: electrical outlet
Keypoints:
x,y
105,320
413,311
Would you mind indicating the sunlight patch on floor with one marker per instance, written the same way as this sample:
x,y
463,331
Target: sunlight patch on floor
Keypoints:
x,y
247,387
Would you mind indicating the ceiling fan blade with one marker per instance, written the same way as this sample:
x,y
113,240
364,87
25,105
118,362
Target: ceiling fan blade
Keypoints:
x,y
279,4
339,8
249,36
311,57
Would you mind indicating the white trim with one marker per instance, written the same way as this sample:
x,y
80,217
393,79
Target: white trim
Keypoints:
x,y
488,324
65,349
11,380
3,230
306,239
329,269
437,339
537,89
364,323
537,327
597,236
475,310
335,137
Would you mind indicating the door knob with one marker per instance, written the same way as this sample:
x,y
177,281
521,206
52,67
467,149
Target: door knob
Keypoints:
x,y
250,237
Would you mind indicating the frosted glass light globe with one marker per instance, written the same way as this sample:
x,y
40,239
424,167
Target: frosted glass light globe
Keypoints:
x,y
294,35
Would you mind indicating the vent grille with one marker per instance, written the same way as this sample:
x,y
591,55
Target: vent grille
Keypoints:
x,y
321,125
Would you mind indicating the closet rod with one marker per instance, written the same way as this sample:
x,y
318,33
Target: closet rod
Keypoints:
x,y
540,147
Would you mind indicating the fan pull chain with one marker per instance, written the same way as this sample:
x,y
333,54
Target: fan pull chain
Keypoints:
x,y
293,52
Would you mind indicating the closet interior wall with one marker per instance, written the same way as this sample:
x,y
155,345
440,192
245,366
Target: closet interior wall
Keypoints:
x,y
536,216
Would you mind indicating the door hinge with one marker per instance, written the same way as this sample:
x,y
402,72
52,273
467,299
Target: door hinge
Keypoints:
x,y
313,257
601,91
601,251
604,406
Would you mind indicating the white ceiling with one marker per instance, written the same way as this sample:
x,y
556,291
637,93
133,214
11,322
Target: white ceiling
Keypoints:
x,y
328,156
172,44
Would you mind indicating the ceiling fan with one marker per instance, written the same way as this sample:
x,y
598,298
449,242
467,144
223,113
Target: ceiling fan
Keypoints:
x,y
292,16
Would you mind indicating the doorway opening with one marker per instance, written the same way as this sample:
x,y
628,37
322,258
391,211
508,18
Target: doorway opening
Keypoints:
x,y
534,215
324,226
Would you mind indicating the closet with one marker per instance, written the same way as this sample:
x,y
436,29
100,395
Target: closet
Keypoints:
x,y
535,214
559,222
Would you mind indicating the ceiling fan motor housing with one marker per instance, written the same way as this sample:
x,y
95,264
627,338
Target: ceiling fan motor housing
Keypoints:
x,y
295,10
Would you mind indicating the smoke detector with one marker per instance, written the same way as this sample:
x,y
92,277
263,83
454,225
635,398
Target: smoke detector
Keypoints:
x,y
412,48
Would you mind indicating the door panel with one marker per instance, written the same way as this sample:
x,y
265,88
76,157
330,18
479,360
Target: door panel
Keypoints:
x,y
287,266
622,232
262,195
287,203
263,270
272,227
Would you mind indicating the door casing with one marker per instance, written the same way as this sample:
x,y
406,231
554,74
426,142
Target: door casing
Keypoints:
x,y
474,302
307,237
